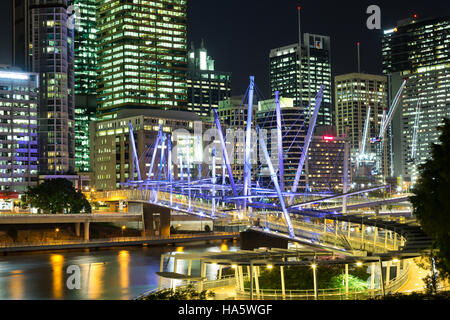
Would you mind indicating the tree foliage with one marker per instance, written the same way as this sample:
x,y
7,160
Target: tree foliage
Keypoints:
x,y
301,278
431,200
55,195
187,293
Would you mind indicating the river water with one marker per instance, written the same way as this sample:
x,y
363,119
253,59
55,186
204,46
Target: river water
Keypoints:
x,y
121,273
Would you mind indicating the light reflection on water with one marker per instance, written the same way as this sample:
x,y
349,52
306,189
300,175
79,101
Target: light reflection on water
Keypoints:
x,y
105,274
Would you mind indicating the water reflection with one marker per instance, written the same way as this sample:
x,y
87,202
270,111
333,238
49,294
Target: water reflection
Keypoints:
x,y
124,260
105,274
57,263
16,285
94,278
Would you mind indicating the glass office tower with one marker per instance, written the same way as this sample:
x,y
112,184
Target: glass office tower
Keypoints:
x,y
206,86
85,80
142,55
298,73
53,59
417,49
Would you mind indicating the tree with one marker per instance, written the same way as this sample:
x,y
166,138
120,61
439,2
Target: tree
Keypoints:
x,y
187,293
55,195
431,200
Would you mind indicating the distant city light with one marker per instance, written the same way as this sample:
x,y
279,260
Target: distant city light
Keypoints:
x,y
328,138
13,75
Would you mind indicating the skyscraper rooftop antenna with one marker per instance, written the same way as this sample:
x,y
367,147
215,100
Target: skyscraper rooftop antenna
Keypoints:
x,y
359,56
299,25
300,53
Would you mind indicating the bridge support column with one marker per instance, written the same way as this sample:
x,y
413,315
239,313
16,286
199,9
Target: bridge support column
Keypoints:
x,y
161,268
148,224
256,273
375,234
220,273
362,236
283,289
381,278
77,229
316,296
346,281
189,269
86,230
164,223
241,278
388,272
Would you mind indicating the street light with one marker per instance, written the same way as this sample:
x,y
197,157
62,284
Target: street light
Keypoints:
x,y
56,231
359,264
269,266
123,228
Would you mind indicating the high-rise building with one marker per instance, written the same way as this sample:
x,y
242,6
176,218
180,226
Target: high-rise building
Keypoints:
x,y
85,80
53,59
325,165
21,41
142,55
297,71
419,50
18,129
206,86
354,93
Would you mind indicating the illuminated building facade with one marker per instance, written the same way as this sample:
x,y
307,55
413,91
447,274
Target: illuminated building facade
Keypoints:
x,y
325,165
85,80
53,59
18,130
206,87
417,49
142,55
112,153
354,92
298,71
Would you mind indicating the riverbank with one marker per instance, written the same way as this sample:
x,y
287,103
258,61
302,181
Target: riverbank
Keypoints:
x,y
28,233
6,249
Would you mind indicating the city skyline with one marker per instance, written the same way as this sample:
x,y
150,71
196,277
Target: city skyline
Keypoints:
x,y
235,50
270,149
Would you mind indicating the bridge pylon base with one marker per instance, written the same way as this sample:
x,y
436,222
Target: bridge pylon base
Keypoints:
x,y
151,223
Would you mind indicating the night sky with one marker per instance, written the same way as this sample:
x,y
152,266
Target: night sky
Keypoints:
x,y
240,33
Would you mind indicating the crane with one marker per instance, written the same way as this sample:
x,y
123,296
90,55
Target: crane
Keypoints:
x,y
415,132
387,116
363,143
